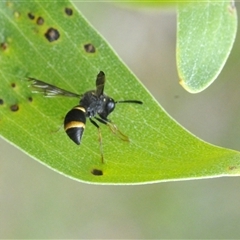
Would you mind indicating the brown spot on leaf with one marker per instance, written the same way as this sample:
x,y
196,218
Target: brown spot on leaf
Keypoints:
x,y
31,16
68,11
4,46
52,34
1,101
40,21
13,85
97,172
14,107
231,168
89,48
30,99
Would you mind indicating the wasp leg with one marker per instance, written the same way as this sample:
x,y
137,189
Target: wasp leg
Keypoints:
x,y
57,130
113,128
99,138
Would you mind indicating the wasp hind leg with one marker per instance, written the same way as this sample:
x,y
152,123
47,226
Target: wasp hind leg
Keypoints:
x,y
114,129
99,138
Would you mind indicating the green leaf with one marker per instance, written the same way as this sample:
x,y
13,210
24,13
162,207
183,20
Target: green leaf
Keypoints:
x,y
53,42
205,36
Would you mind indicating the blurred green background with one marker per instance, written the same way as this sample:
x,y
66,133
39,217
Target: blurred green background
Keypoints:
x,y
36,202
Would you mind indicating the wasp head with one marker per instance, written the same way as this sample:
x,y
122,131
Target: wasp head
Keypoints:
x,y
107,106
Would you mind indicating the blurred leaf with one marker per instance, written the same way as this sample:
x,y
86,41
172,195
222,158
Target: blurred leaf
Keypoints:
x,y
206,33
146,4
51,41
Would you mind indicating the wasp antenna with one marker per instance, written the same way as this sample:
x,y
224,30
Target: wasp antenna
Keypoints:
x,y
129,101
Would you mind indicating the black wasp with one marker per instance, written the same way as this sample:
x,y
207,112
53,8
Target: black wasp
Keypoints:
x,y
93,104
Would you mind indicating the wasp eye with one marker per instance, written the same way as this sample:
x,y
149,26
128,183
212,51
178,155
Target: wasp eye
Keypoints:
x,y
110,106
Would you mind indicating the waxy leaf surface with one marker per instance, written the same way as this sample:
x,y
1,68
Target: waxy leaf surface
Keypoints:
x,y
206,33
52,42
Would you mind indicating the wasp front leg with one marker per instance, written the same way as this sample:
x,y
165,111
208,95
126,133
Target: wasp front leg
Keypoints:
x,y
114,129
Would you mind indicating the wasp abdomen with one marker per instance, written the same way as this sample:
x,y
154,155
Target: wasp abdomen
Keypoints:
x,y
74,123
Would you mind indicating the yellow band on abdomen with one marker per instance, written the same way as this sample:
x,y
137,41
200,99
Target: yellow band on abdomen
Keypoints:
x,y
74,124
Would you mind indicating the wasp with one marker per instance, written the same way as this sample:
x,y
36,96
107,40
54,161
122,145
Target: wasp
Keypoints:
x,y
93,104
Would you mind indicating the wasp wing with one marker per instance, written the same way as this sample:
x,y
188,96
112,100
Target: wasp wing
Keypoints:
x,y
100,81
50,90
